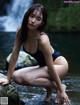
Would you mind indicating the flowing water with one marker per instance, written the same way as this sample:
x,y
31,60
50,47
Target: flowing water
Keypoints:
x,y
15,12
69,46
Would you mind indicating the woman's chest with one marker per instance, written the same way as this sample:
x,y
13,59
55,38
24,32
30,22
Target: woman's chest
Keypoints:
x,y
31,46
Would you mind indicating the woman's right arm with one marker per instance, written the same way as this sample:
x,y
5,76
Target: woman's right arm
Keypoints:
x,y
13,59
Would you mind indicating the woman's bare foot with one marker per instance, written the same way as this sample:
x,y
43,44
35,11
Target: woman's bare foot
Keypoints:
x,y
49,93
58,99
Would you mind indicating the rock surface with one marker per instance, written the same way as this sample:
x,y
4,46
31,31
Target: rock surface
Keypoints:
x,y
9,92
24,60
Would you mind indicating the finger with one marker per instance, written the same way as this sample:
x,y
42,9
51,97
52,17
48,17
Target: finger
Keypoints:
x,y
4,84
67,101
0,82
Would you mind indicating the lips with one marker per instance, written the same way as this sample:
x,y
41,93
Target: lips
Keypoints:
x,y
31,25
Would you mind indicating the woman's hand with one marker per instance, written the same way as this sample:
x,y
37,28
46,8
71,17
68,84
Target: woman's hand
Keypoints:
x,y
4,81
64,98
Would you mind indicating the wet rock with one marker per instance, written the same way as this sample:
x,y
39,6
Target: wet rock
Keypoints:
x,y
9,93
24,60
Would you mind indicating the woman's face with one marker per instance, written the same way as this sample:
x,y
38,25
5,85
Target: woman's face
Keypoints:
x,y
35,20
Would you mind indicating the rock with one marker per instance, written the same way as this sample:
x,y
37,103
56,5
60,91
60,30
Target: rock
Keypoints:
x,y
15,95
9,92
3,5
24,60
2,76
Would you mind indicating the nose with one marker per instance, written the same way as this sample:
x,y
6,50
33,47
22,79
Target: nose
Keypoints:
x,y
33,20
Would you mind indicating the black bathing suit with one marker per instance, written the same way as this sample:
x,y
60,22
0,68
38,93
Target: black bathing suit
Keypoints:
x,y
40,57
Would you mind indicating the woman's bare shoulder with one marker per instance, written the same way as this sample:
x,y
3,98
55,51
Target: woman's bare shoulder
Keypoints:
x,y
44,39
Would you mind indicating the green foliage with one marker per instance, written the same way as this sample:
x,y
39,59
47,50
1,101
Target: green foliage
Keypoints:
x,y
68,19
62,17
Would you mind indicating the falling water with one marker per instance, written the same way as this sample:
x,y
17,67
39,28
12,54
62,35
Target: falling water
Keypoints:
x,y
15,12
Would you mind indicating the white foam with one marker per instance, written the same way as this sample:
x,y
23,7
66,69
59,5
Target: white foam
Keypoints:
x,y
15,11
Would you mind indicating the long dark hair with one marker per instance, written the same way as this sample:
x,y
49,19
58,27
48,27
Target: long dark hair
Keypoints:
x,y
24,28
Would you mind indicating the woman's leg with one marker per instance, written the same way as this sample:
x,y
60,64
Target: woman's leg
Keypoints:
x,y
62,73
37,76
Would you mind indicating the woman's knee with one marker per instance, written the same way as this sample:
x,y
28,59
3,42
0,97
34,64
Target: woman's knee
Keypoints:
x,y
26,78
16,77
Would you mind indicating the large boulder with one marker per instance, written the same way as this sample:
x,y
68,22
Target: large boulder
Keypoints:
x,y
24,60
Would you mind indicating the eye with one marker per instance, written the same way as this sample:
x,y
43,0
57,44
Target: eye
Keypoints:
x,y
38,18
32,15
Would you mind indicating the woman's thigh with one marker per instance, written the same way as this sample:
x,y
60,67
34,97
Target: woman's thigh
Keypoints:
x,y
60,66
40,72
43,72
25,69
32,72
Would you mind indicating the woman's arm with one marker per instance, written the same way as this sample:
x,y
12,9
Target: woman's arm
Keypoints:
x,y
13,60
47,51
14,56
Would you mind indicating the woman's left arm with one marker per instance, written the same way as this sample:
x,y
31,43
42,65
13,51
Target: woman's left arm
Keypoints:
x,y
47,51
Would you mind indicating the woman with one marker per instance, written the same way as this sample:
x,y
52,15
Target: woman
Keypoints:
x,y
52,65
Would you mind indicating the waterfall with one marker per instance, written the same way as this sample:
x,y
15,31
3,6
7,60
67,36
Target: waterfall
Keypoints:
x,y
15,13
